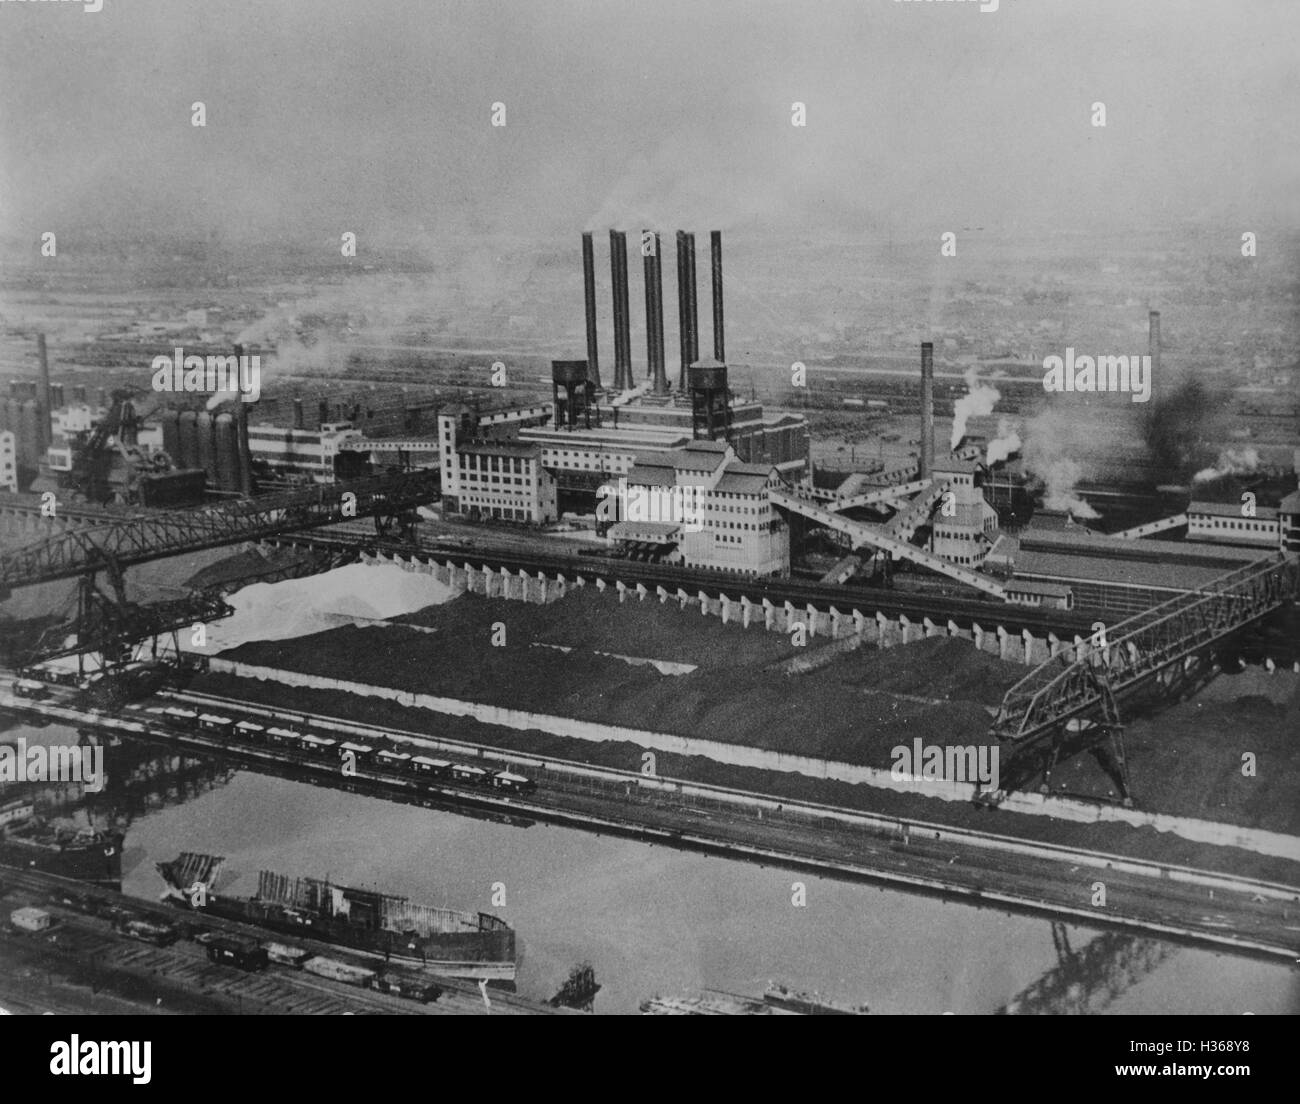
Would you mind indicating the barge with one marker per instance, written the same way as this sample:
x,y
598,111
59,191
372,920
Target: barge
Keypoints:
x,y
441,941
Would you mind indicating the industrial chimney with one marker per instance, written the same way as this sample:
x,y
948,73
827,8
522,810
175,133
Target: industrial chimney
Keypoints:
x,y
654,317
688,323
715,253
692,302
589,297
927,410
622,320
47,411
1153,342
241,436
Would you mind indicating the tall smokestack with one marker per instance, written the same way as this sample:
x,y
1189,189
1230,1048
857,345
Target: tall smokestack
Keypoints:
x,y
682,342
622,320
589,297
47,411
692,314
1153,342
245,457
715,253
654,317
927,409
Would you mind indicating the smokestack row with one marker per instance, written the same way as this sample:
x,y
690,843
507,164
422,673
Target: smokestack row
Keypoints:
x,y
622,313
927,410
688,320
654,318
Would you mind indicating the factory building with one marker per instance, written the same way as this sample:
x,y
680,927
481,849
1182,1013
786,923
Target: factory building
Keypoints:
x,y
702,507
8,462
964,525
1118,577
504,479
1223,523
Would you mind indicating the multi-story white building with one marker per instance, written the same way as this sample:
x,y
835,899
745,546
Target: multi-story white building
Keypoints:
x,y
701,507
299,453
1223,523
504,479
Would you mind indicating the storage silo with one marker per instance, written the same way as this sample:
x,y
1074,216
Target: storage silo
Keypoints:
x,y
207,444
227,448
189,440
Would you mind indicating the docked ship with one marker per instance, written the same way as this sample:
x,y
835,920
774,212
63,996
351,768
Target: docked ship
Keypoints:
x,y
776,1000
86,854
439,940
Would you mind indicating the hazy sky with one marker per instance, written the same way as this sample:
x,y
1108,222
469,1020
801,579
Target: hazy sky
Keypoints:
x,y
374,115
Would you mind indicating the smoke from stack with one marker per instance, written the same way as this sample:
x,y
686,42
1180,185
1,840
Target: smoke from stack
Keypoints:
x,y
654,318
1230,462
622,321
715,256
1004,445
979,400
927,410
589,300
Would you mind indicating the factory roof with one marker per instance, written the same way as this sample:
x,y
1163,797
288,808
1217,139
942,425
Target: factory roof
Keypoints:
x,y
1032,586
1290,504
651,532
953,464
1079,542
700,456
1230,509
741,478
502,447
650,474
1063,567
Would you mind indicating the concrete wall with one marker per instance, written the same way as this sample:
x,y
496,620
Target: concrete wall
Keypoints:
x,y
733,606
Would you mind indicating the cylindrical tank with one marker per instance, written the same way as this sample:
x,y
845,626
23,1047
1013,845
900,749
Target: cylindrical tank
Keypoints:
x,y
227,472
101,397
324,411
56,396
207,444
710,377
79,392
298,422
170,421
189,439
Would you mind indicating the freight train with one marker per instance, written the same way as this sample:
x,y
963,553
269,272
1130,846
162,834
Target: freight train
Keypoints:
x,y
388,758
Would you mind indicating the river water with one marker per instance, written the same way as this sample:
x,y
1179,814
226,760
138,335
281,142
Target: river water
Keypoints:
x,y
650,920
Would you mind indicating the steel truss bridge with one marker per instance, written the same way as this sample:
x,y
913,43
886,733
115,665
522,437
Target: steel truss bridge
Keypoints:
x,y
118,545
1154,650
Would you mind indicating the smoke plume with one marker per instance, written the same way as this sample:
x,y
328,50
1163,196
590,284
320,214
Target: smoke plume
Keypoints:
x,y
980,399
1230,462
1007,442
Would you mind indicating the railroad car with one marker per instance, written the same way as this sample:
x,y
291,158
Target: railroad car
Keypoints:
x,y
514,783
422,764
30,688
215,722
244,953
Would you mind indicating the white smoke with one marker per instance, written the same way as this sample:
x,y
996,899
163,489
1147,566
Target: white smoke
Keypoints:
x,y
1230,462
980,399
1007,442
1060,477
1052,441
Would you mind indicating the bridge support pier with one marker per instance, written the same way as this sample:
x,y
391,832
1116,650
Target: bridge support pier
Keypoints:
x,y
812,613
769,614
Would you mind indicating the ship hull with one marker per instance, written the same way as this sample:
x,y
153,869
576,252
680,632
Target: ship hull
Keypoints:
x,y
473,954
